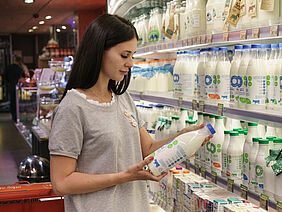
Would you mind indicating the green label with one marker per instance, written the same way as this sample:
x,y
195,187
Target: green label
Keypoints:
x,y
154,35
243,187
265,197
259,171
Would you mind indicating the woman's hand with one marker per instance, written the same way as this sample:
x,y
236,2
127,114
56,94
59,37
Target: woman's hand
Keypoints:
x,y
137,172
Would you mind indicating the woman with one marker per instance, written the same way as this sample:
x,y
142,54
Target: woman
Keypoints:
x,y
98,142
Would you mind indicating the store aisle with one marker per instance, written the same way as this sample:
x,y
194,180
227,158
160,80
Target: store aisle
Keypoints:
x,y
13,149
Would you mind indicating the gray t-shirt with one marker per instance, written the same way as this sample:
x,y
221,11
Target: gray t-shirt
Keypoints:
x,y
104,139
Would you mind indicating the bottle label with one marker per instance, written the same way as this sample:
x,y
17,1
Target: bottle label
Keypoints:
x,y
259,177
153,35
246,167
272,89
187,82
234,14
216,156
241,89
196,20
201,85
224,161
177,83
234,169
210,86
252,10
233,87
223,86
256,91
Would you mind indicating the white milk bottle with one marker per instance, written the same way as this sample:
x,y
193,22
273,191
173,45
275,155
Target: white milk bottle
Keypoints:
x,y
198,155
178,150
177,73
234,73
198,15
272,82
235,158
201,73
255,91
241,80
173,127
188,18
216,145
210,78
187,76
224,152
204,150
261,131
215,15
222,73
278,179
261,164
253,182
183,117
253,132
228,124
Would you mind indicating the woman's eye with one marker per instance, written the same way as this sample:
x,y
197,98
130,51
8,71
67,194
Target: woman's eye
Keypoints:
x,y
124,56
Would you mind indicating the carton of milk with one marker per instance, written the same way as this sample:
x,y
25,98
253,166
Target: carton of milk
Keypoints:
x,y
218,205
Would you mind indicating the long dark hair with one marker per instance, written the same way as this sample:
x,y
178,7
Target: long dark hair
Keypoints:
x,y
103,33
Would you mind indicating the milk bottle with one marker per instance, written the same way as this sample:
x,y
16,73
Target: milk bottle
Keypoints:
x,y
222,73
215,15
235,158
178,150
210,78
251,18
270,131
253,132
255,91
201,73
183,117
204,149
234,73
216,145
261,164
272,82
173,127
278,179
198,15
261,131
241,80
187,75
228,124
253,182
188,18
224,153
177,73
198,155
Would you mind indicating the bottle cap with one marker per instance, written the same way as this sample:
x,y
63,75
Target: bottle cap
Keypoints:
x,y
275,45
218,117
242,122
186,171
255,46
187,121
270,138
252,124
176,172
211,116
209,126
280,45
175,117
238,47
205,114
183,109
241,131
263,141
200,113
178,168
245,132
247,46
277,140
171,170
190,117
226,132
256,139
192,122
266,46
223,48
237,129
234,133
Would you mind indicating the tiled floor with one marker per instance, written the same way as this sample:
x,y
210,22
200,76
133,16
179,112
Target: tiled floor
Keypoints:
x,y
13,149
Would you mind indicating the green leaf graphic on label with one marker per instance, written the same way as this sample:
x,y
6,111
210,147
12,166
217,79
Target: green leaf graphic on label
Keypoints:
x,y
267,83
267,100
218,82
276,84
276,78
175,142
250,84
259,171
248,101
169,146
268,77
249,78
218,145
218,76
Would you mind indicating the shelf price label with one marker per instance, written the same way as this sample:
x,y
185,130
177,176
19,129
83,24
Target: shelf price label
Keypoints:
x,y
201,106
225,37
147,49
243,34
198,40
184,42
214,177
209,39
180,101
255,33
159,46
190,41
203,172
152,48
244,191
279,206
220,109
230,185
274,31
203,39
197,169
165,46
188,164
264,201
194,105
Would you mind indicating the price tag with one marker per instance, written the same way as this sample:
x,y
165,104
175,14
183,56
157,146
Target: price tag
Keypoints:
x,y
180,101
225,37
184,42
203,172
165,46
244,191
243,34
255,33
194,105
264,201
152,48
209,39
174,45
147,49
203,39
188,164
220,109
230,185
197,169
190,41
214,177
198,39
279,206
201,106
274,31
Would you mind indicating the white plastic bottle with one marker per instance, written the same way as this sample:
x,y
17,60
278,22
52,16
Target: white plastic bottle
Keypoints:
x,y
198,155
261,131
261,163
198,15
278,179
187,75
210,78
178,150
270,131
222,73
253,182
241,80
183,117
177,73
234,74
256,92
216,146
224,153
235,158
201,73
270,16
228,124
252,133
173,127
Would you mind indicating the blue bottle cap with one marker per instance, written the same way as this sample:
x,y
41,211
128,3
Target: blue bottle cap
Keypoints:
x,y
255,46
280,45
247,46
275,45
238,47
210,127
223,48
213,49
266,46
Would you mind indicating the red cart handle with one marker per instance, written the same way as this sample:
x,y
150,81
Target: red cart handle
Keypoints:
x,y
21,182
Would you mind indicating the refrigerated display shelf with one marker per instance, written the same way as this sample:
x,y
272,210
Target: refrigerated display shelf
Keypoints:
x,y
121,7
265,117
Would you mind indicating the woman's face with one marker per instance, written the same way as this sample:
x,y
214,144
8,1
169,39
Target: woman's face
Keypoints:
x,y
118,59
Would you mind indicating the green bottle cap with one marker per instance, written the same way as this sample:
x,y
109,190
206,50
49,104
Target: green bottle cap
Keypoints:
x,y
187,121
212,116
277,140
175,117
200,113
263,141
234,133
227,132
205,114
218,117
252,124
237,129
270,138
256,139
183,109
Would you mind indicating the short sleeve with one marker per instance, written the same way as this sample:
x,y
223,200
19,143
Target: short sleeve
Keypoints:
x,y
66,137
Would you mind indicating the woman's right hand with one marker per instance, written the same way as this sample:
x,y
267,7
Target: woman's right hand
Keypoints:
x,y
137,172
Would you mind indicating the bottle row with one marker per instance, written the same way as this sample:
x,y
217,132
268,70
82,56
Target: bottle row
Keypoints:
x,y
179,20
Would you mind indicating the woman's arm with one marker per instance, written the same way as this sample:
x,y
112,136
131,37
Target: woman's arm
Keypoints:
x,y
65,180
149,145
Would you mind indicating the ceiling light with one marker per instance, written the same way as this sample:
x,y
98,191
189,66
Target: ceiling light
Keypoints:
x,y
30,30
64,27
28,1
58,30
41,22
35,27
48,17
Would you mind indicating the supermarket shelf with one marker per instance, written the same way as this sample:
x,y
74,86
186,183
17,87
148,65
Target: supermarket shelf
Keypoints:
x,y
266,35
265,117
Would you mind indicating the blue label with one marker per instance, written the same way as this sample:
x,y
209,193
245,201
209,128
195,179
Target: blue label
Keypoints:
x,y
234,81
281,82
239,81
175,77
208,80
261,186
245,177
156,163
